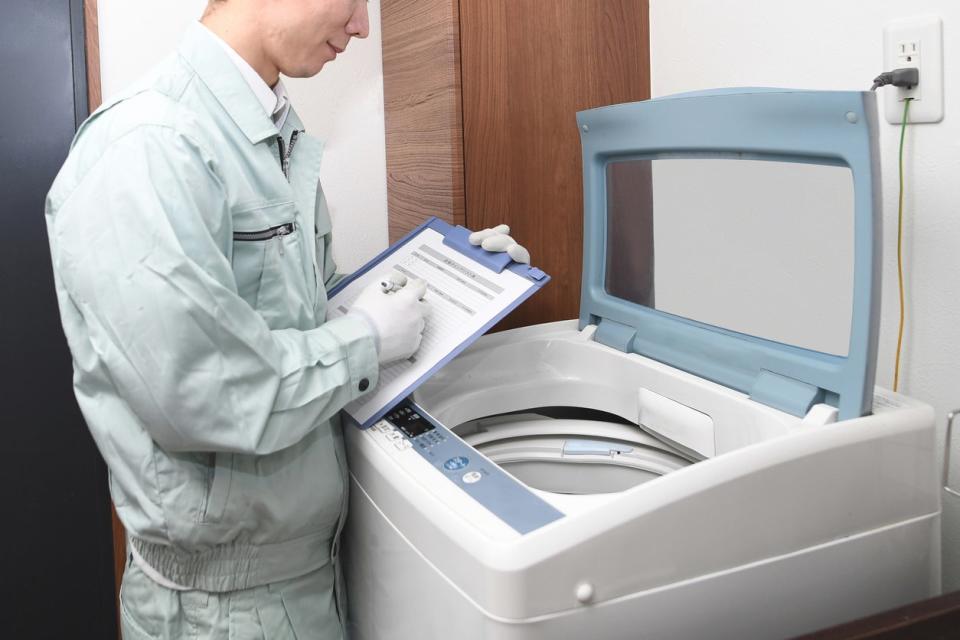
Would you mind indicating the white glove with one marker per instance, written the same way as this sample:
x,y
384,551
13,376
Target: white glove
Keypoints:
x,y
396,315
498,239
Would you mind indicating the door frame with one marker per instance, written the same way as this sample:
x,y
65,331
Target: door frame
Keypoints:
x,y
86,21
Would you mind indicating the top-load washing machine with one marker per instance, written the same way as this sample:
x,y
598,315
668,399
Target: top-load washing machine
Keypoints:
x,y
654,469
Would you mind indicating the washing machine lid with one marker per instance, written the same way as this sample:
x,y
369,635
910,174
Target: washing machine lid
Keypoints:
x,y
827,128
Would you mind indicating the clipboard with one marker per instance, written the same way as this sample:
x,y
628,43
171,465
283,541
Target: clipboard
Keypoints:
x,y
474,267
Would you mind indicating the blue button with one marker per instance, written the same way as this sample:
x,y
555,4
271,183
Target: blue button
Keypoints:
x,y
453,464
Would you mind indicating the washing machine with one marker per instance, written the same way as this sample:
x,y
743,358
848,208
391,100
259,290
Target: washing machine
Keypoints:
x,y
662,467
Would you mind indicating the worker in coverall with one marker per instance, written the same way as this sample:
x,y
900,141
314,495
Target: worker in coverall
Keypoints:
x,y
191,250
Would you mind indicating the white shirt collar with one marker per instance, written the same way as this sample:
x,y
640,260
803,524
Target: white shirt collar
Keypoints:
x,y
275,101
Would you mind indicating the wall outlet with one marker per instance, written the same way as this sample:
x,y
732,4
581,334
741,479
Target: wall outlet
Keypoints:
x,y
915,42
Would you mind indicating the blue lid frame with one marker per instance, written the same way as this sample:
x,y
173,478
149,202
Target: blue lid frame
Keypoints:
x,y
817,127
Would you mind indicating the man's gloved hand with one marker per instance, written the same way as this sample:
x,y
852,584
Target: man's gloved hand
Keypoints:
x,y
397,315
498,239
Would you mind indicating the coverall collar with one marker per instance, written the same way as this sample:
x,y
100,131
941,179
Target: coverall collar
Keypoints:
x,y
292,123
201,52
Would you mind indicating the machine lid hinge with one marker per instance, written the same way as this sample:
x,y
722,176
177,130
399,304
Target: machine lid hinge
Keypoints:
x,y
614,334
784,393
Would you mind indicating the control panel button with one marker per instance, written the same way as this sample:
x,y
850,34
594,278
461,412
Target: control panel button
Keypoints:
x,y
456,463
472,476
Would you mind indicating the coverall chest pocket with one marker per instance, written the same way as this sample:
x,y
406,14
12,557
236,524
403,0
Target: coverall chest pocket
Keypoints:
x,y
269,266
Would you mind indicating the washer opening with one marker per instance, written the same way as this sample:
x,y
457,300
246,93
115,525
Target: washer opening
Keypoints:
x,y
572,451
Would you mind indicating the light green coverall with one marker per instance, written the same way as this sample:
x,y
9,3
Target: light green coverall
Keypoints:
x,y
191,274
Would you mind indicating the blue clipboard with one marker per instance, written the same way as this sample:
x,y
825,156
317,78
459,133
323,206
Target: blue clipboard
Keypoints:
x,y
455,237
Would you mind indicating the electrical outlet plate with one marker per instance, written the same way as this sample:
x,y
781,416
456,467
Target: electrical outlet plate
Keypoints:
x,y
915,42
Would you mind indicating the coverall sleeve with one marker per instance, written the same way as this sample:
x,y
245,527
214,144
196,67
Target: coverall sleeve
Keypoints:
x,y
328,270
330,275
140,246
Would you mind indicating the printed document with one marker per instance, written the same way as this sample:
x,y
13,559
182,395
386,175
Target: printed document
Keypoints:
x,y
464,296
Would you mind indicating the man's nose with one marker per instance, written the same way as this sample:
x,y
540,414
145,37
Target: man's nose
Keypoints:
x,y
359,25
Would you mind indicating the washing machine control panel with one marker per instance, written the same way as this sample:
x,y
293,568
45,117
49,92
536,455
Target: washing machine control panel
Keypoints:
x,y
409,427
409,421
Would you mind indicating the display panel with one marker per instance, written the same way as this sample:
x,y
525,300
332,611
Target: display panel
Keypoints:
x,y
406,418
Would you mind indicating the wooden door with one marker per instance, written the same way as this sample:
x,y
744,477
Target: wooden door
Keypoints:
x,y
422,112
522,70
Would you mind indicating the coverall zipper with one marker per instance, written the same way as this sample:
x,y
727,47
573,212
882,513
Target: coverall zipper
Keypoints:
x,y
286,153
277,232
266,234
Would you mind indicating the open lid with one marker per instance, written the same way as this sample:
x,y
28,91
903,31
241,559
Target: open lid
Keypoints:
x,y
790,174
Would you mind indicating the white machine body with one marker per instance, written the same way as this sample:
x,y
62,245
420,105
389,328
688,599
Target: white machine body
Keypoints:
x,y
771,526
660,468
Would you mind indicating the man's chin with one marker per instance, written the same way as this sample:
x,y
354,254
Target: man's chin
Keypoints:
x,y
305,70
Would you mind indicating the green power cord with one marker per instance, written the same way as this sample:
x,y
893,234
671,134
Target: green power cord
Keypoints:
x,y
903,131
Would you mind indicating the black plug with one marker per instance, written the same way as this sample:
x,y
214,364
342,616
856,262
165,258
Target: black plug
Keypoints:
x,y
907,77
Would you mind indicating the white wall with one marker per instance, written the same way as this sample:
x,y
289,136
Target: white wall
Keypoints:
x,y
342,106
837,44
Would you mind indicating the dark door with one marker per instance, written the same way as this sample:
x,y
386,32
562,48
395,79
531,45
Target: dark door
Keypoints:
x,y
56,579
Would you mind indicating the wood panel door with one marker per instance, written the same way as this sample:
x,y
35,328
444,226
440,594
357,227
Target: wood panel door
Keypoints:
x,y
494,85
527,67
422,112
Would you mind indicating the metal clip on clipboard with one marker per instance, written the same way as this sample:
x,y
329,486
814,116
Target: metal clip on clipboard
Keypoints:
x,y
458,238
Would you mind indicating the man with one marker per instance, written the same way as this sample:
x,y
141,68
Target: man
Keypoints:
x,y
191,248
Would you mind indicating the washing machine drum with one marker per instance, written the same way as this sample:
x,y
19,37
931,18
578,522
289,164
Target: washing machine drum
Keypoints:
x,y
570,452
